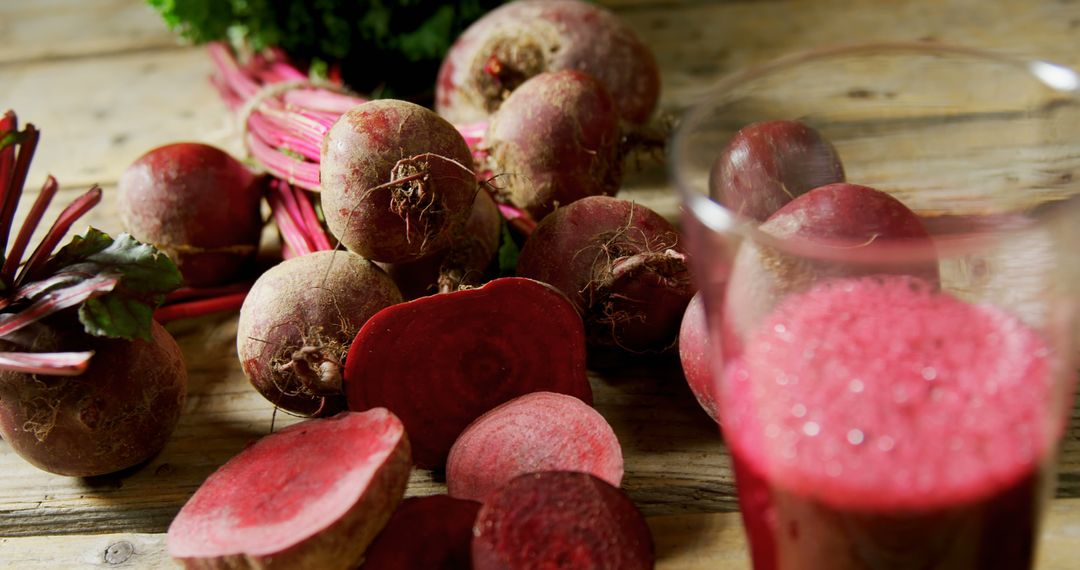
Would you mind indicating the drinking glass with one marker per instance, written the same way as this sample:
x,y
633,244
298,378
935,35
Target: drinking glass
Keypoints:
x,y
893,362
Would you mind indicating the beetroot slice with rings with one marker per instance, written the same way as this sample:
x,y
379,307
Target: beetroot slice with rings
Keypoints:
x,y
440,362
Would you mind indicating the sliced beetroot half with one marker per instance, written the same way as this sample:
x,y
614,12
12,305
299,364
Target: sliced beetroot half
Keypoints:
x,y
312,495
425,533
440,362
542,431
560,519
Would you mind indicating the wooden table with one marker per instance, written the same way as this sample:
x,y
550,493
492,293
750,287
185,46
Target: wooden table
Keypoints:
x,y
105,82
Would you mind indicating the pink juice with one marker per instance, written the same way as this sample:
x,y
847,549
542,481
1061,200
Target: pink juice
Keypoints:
x,y
878,424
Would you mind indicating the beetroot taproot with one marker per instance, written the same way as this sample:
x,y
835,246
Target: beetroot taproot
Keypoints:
x,y
542,431
199,205
766,165
442,361
312,495
555,140
620,263
525,38
297,322
695,354
560,519
442,524
396,179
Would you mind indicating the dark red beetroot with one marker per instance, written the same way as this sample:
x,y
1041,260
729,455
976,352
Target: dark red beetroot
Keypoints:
x,y
397,181
525,38
117,414
541,431
297,322
425,533
555,140
312,495
766,165
878,423
464,264
197,204
695,354
620,263
856,220
440,362
559,519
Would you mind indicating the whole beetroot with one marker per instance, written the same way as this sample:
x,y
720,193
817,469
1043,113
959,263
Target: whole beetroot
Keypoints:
x,y
199,205
525,38
118,413
695,353
297,322
620,263
555,140
397,181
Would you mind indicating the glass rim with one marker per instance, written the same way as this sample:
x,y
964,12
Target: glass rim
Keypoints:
x,y
1056,78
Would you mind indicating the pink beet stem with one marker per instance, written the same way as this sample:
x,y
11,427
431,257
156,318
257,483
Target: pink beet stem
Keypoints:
x,y
60,227
315,231
14,258
195,293
34,288
57,300
201,307
9,125
51,363
290,233
287,168
18,180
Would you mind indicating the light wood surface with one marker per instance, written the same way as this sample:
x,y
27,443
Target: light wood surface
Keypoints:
x,y
106,82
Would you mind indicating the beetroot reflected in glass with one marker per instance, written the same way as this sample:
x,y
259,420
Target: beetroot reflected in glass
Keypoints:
x,y
881,415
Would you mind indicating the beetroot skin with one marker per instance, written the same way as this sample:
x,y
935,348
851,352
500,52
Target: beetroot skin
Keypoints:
x,y
441,524
560,519
117,414
621,264
197,204
555,140
442,361
297,322
542,431
312,495
695,354
397,181
766,165
525,38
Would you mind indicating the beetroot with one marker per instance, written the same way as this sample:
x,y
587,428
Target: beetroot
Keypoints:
x,y
766,165
559,519
847,219
463,264
441,524
396,181
620,263
695,354
440,362
197,204
116,414
541,431
297,322
312,495
555,140
525,38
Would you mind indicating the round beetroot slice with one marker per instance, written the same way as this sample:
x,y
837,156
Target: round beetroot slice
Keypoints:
x,y
312,495
560,519
542,431
440,524
440,362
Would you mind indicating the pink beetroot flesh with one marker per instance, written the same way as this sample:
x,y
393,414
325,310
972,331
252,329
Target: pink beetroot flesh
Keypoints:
x,y
425,533
311,495
542,431
560,519
440,362
695,354
869,401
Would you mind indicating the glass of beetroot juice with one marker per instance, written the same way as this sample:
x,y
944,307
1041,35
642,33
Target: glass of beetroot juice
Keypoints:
x,y
887,238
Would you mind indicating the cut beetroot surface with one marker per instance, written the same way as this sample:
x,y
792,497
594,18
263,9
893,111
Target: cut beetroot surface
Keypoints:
x,y
542,431
880,393
440,362
311,495
560,519
425,533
